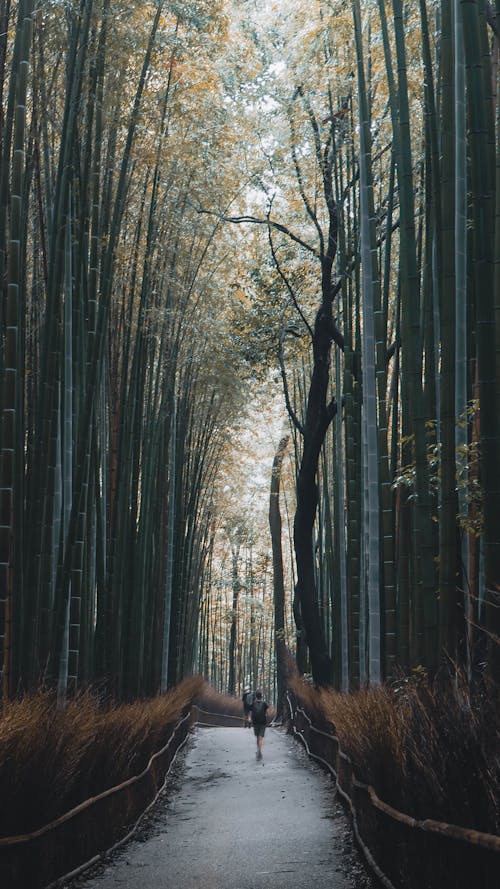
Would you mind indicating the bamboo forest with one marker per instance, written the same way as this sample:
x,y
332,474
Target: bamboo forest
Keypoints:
x,y
250,353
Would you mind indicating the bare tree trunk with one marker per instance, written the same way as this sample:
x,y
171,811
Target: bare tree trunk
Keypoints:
x,y
318,417
231,683
278,581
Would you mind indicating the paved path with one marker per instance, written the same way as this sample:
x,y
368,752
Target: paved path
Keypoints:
x,y
238,823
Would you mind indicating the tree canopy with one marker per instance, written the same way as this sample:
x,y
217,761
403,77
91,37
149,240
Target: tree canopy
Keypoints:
x,y
199,201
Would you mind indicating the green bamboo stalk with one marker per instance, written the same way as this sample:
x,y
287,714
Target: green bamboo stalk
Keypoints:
x,y
461,313
351,397
459,75
371,305
411,362
98,352
19,56
167,608
482,163
278,572
448,610
386,466
4,24
41,482
493,605
341,549
13,368
396,384
67,443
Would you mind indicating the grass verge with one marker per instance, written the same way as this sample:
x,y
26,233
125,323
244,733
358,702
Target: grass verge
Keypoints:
x,y
432,751
51,760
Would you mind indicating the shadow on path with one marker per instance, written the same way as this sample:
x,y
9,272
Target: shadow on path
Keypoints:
x,y
234,822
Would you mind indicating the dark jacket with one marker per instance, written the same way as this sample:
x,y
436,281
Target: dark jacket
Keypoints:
x,y
259,711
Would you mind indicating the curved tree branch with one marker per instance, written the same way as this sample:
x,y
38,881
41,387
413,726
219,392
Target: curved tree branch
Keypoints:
x,y
305,200
314,124
256,220
291,413
288,285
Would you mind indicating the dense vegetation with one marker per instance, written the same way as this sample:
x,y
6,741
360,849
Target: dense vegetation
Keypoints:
x,y
116,386
427,751
53,759
195,197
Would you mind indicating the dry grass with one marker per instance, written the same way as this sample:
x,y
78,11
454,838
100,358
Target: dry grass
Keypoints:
x,y
51,760
214,702
433,752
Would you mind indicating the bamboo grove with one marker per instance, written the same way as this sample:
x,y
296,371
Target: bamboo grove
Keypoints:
x,y
113,418
194,195
381,208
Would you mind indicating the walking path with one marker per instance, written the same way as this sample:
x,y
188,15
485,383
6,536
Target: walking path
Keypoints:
x,y
235,822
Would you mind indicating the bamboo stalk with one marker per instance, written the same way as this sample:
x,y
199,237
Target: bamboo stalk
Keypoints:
x,y
9,477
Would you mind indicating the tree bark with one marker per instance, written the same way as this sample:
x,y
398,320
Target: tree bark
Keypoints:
x,y
318,417
319,414
278,580
231,683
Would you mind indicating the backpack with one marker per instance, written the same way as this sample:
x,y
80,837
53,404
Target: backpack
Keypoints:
x,y
259,712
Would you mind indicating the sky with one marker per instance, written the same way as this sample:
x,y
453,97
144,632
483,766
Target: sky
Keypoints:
x,y
246,473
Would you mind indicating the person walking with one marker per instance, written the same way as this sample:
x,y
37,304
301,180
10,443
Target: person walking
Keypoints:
x,y
247,706
259,710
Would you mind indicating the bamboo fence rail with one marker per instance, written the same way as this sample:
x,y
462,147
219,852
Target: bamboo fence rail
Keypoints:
x,y
403,852
83,836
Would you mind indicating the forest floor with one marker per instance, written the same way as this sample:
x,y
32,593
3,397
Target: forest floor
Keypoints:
x,y
234,822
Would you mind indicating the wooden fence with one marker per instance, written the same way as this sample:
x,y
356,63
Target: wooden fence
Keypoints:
x,y
403,852
79,838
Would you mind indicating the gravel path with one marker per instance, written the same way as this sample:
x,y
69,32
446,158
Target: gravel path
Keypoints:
x,y
234,822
